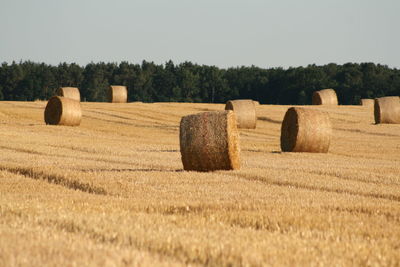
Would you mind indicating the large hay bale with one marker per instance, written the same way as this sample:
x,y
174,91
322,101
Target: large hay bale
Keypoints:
x,y
63,111
117,94
305,130
324,97
69,92
387,109
245,112
366,102
210,141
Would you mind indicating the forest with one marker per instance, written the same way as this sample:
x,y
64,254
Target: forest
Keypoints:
x,y
188,82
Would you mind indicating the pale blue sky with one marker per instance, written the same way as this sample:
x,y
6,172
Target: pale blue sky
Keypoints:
x,y
224,33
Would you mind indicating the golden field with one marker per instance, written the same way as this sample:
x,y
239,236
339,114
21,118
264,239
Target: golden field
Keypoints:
x,y
112,192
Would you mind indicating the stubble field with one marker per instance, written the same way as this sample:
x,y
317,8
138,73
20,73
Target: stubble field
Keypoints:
x,y
112,192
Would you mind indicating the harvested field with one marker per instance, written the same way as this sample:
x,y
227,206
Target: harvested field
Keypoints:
x,y
112,191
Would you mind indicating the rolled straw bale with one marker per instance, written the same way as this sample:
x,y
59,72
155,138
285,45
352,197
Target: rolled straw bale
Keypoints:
x,y
245,112
366,102
387,109
305,130
69,92
324,97
63,111
210,141
118,94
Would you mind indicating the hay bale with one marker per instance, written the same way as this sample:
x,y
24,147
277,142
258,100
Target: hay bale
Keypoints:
x,y
210,141
118,94
366,102
387,109
305,130
63,111
245,112
325,97
256,103
69,92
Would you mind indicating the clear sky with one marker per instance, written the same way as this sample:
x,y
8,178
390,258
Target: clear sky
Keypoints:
x,y
225,33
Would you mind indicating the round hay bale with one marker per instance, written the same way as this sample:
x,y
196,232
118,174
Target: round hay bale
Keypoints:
x,y
366,102
63,111
387,109
245,112
209,141
69,92
117,94
324,97
305,130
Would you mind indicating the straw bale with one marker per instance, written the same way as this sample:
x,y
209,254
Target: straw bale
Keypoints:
x,y
210,141
63,111
366,102
245,112
69,92
117,94
387,110
324,97
305,130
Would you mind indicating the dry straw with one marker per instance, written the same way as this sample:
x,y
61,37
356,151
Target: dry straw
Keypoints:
x,y
387,110
366,102
245,112
305,130
210,141
324,97
117,94
69,92
63,111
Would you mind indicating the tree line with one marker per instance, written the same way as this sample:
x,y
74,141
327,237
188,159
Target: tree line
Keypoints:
x,y
188,82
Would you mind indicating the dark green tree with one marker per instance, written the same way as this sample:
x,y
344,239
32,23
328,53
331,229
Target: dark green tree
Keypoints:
x,y
194,83
1,93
